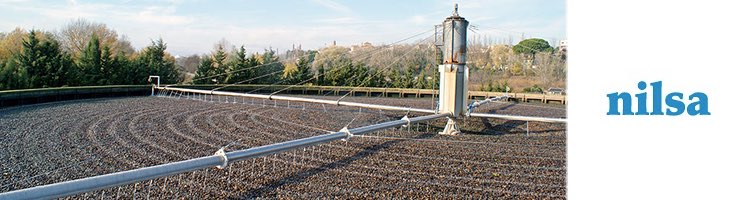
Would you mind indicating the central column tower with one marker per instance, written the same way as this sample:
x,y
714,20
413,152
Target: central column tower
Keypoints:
x,y
454,74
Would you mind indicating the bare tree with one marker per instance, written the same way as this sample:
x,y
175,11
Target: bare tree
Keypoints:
x,y
189,64
10,43
75,36
548,68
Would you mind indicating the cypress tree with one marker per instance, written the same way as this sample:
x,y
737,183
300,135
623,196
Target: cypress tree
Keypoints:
x,y
204,71
157,62
90,63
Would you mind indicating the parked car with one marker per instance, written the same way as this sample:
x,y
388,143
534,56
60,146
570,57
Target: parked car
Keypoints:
x,y
556,91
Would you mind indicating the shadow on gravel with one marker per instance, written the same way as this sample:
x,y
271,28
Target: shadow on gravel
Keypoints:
x,y
31,107
509,127
301,176
505,107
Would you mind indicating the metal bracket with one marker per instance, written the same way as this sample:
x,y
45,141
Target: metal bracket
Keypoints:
x,y
408,121
348,133
451,128
339,100
223,157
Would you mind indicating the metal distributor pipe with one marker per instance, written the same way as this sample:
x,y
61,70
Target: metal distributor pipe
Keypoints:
x,y
363,105
480,103
220,159
299,99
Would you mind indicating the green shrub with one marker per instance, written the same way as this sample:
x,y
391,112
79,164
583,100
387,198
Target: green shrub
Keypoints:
x,y
533,89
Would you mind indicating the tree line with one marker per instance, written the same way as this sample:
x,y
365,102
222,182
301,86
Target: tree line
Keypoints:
x,y
528,66
395,66
40,61
329,66
85,53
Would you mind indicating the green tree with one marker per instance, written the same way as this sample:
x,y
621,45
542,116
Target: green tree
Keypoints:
x,y
421,82
338,74
90,64
271,64
328,62
30,59
59,71
12,76
44,65
532,46
120,68
358,75
6,75
205,70
320,76
239,67
219,67
392,79
157,62
97,66
301,72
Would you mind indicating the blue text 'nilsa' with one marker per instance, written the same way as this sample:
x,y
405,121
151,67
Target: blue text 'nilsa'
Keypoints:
x,y
698,102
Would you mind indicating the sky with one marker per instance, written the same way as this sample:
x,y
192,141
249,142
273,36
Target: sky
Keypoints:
x,y
195,26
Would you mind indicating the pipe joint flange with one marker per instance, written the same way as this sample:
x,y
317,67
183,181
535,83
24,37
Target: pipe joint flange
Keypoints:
x,y
348,133
408,121
223,156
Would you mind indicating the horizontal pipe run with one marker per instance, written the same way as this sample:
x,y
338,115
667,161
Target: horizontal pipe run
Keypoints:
x,y
391,124
480,103
89,184
520,118
304,142
298,99
284,146
67,188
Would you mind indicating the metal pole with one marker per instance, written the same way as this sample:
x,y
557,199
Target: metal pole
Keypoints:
x,y
220,159
158,83
527,128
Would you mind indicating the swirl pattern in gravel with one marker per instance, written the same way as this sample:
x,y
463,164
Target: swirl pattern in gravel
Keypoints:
x,y
53,142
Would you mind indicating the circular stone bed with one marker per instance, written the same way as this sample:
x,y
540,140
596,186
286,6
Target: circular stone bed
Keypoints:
x,y
60,141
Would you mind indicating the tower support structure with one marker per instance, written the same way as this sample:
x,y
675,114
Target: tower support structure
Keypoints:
x,y
454,74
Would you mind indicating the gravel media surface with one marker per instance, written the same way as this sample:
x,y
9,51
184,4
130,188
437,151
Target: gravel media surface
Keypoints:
x,y
53,142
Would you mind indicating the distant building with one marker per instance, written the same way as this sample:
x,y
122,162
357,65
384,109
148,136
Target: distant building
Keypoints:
x,y
365,45
563,49
563,46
